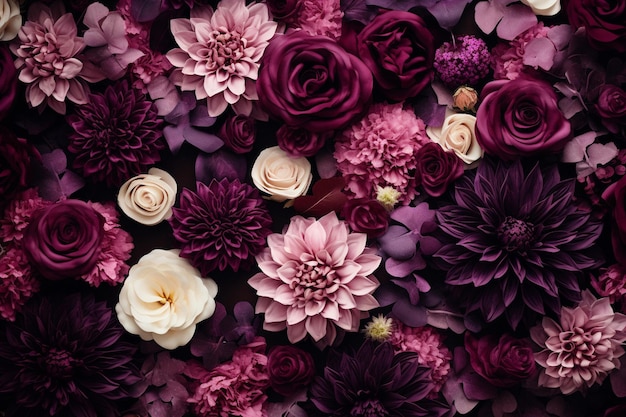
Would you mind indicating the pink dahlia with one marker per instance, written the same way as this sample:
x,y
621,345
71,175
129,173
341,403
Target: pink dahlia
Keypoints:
x,y
583,347
315,276
379,151
220,53
17,283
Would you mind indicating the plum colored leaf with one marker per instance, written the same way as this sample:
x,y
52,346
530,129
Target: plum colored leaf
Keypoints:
x,y
358,10
504,403
570,106
206,142
540,53
618,380
163,91
447,12
145,10
428,109
220,164
327,196
409,314
576,149
55,181
510,19
165,369
560,36
289,406
326,164
93,14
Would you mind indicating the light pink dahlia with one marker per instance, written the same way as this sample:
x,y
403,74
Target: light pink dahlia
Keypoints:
x,y
315,276
582,348
220,53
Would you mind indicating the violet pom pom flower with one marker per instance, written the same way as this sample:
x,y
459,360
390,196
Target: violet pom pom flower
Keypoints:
x,y
515,242
466,62
223,225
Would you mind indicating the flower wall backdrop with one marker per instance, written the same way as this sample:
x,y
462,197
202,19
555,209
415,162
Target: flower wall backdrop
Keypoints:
x,y
306,208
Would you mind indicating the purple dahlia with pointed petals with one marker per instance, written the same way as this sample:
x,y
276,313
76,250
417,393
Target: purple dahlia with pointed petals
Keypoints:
x,y
64,356
514,242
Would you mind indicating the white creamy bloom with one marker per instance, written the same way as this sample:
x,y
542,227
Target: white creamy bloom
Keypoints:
x,y
281,176
148,198
458,134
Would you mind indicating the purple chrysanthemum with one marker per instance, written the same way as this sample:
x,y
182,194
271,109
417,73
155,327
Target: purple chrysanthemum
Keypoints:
x,y
63,357
116,135
375,382
515,242
223,225
465,62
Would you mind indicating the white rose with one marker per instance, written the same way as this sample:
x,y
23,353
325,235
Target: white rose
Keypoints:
x,y
163,299
544,7
10,19
281,176
148,198
458,134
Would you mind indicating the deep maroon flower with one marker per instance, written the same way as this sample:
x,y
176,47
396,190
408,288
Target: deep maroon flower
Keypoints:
x,y
520,118
63,356
375,382
16,158
611,106
238,133
617,411
285,10
222,225
116,135
515,242
365,215
604,22
8,81
299,142
436,169
399,50
290,369
615,196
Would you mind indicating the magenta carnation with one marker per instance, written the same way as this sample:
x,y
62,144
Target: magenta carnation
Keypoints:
x,y
18,213
17,283
320,17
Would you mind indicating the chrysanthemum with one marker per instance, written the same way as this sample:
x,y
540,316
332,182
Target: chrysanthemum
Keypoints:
x,y
222,225
116,135
63,356
379,151
583,347
220,53
515,242
17,283
315,276
320,17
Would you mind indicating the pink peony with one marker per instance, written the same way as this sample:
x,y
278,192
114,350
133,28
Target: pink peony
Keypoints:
x,y
315,276
17,283
509,58
582,348
320,17
220,53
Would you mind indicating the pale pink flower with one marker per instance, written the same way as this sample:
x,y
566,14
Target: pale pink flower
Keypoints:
x,y
509,57
315,276
582,348
321,17
220,53
17,283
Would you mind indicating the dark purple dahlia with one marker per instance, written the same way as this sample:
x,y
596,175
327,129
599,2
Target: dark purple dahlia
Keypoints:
x,y
375,382
514,242
116,135
223,225
63,357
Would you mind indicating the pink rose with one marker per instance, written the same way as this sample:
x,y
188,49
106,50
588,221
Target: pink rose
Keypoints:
x,y
611,106
366,216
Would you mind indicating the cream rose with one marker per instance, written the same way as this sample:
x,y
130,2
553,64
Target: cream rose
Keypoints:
x,y
148,198
457,134
163,299
544,7
10,19
280,176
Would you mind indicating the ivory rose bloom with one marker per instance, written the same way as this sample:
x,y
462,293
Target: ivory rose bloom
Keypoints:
x,y
457,134
10,19
544,7
163,299
148,198
280,176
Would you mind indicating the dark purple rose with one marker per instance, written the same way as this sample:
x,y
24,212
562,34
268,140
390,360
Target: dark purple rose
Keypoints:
x,y
284,9
520,118
604,22
366,216
63,240
611,106
238,133
615,196
436,169
399,50
504,361
16,157
299,142
617,411
313,83
290,369
8,81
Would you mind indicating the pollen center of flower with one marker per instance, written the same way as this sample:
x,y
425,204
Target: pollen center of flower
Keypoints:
x,y
516,234
368,408
58,363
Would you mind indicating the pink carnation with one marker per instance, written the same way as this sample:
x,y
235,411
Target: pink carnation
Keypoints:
x,y
17,214
320,17
17,283
379,151
508,58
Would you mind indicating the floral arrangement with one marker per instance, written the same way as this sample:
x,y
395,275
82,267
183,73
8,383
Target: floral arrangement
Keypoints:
x,y
302,208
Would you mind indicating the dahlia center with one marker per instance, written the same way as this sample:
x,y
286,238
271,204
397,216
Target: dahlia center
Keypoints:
x,y
579,348
516,234
313,282
228,49
368,408
58,363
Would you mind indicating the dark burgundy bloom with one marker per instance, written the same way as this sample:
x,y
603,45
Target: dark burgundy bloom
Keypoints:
x,y
8,81
436,169
116,135
64,356
284,9
611,106
223,225
365,215
290,369
399,50
616,411
299,142
238,133
16,158
615,196
375,382
604,22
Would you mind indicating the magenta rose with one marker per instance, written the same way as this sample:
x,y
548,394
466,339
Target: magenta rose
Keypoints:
x,y
8,81
503,361
63,240
615,196
313,83
611,106
399,50
604,22
366,216
520,118
16,158
238,133
284,9
299,142
290,369
436,169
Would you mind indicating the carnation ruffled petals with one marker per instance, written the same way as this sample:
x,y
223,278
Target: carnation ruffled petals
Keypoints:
x,y
280,176
148,198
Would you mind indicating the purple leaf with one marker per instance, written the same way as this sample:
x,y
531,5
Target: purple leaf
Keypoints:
x,y
540,53
53,184
145,10
409,314
174,137
447,12
70,183
206,142
326,164
560,35
510,19
576,149
220,164
327,196
428,109
55,161
358,10
165,369
200,117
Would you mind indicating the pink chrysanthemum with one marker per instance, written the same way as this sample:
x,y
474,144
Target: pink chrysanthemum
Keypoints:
x,y
508,59
17,214
320,17
315,276
582,348
220,53
17,283
379,151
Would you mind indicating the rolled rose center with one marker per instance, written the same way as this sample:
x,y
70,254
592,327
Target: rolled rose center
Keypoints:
x,y
58,363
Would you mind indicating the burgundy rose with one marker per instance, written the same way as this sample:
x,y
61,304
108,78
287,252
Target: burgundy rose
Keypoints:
x,y
63,240
615,196
290,369
8,81
284,9
16,157
616,411
611,106
520,118
399,50
313,83
299,142
503,361
238,133
604,22
366,216
436,169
